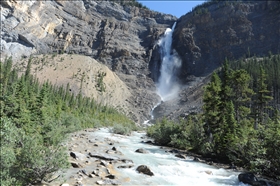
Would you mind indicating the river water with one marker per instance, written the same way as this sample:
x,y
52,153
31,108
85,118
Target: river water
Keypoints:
x,y
167,169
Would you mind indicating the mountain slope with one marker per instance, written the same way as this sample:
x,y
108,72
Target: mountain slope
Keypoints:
x,y
124,38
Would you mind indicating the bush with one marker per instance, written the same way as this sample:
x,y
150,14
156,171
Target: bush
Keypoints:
x,y
37,162
121,129
162,131
26,159
8,135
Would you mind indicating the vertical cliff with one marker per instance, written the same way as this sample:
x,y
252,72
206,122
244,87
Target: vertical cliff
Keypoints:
x,y
226,29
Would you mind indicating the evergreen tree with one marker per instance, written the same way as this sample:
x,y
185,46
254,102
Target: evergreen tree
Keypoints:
x,y
5,74
241,94
212,102
262,100
28,69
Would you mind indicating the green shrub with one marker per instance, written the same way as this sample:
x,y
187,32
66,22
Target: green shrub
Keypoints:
x,y
162,131
8,135
37,162
120,129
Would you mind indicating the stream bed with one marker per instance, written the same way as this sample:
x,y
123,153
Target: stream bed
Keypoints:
x,y
167,169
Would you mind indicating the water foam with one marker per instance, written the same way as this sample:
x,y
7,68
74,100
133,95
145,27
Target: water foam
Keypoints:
x,y
168,85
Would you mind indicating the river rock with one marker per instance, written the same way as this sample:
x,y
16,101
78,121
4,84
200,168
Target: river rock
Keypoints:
x,y
103,156
78,156
174,151
104,163
76,165
209,172
141,150
180,156
196,159
248,178
65,184
125,166
84,172
111,176
108,182
125,161
148,142
145,170
97,172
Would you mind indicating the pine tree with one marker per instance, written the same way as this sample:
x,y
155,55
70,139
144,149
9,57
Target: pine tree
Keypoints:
x,y
272,143
262,100
241,93
28,68
5,74
212,102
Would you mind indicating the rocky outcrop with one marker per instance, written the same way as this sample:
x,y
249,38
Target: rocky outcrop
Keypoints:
x,y
218,30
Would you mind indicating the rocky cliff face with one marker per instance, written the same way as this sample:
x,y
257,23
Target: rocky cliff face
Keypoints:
x,y
122,37
211,33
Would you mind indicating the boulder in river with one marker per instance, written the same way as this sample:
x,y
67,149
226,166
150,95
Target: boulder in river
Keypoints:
x,y
145,170
250,178
141,150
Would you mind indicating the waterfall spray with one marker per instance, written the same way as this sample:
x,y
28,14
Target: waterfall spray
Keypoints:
x,y
168,85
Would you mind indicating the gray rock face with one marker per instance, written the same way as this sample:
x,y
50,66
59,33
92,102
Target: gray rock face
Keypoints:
x,y
122,37
205,37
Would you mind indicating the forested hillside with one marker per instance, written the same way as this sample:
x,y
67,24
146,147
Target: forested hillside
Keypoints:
x,y
35,121
240,122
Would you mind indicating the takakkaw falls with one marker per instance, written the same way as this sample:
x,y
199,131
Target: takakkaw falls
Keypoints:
x,y
112,93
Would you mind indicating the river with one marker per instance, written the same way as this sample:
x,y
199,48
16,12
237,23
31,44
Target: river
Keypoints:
x,y
167,169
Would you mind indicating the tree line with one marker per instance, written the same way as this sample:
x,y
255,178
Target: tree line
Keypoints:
x,y
35,120
240,122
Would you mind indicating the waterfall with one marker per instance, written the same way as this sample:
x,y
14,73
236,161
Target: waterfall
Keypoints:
x,y
168,85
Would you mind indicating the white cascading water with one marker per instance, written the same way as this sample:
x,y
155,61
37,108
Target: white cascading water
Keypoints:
x,y
167,85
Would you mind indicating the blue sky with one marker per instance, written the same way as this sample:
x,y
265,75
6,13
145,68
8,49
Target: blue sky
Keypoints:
x,y
176,8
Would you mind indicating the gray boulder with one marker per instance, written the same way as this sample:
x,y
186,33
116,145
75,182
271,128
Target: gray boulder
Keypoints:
x,y
250,178
145,170
141,150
